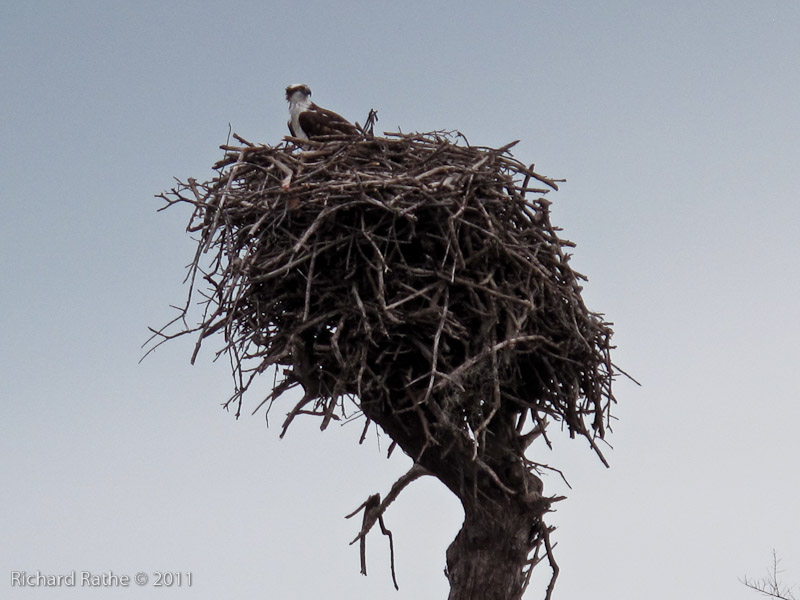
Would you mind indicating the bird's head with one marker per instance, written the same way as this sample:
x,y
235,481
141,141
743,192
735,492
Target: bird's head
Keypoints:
x,y
297,92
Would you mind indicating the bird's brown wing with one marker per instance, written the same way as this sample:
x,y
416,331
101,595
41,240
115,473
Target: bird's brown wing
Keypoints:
x,y
320,121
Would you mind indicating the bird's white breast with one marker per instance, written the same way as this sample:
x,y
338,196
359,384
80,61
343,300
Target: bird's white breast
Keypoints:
x,y
296,106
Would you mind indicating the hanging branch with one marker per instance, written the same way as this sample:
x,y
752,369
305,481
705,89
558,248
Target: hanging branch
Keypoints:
x,y
373,511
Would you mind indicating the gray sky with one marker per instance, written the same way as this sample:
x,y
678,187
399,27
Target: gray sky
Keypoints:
x,y
676,125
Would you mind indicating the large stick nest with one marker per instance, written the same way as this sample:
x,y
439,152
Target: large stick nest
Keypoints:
x,y
415,272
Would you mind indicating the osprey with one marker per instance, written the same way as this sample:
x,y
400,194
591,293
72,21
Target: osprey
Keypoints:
x,y
308,121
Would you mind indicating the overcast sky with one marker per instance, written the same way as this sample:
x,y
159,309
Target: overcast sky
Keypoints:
x,y
677,127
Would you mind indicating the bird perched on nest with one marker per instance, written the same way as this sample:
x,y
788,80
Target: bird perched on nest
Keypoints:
x,y
309,121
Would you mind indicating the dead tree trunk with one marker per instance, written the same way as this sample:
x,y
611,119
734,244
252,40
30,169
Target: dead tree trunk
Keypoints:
x,y
503,535
503,532
489,556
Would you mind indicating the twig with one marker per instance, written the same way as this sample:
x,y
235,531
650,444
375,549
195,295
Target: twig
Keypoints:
x,y
373,511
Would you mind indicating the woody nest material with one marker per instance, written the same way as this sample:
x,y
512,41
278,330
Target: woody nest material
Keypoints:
x,y
415,279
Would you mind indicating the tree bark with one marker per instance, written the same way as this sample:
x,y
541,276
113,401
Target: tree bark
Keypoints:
x,y
487,559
